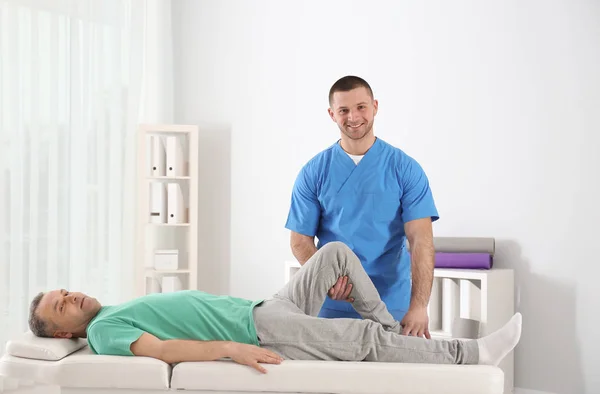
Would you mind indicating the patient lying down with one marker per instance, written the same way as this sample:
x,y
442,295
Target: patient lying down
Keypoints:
x,y
197,326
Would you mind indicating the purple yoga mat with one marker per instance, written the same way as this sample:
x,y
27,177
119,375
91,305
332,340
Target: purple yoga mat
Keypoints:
x,y
463,260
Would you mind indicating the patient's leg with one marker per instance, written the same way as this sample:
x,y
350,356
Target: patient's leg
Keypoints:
x,y
309,286
284,329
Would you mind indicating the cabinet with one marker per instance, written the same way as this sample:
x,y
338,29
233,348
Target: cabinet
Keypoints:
x,y
486,296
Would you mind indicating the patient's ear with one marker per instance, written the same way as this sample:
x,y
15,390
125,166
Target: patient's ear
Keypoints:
x,y
62,334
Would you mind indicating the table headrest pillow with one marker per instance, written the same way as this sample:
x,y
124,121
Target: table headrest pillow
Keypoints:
x,y
28,345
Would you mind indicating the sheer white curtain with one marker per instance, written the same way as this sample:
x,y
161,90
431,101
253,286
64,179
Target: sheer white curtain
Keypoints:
x,y
76,77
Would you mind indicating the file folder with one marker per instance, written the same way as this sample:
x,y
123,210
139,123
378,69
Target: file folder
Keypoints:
x,y
175,204
158,203
171,284
158,156
174,156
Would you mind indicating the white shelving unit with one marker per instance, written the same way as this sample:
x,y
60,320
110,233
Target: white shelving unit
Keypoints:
x,y
167,210
483,295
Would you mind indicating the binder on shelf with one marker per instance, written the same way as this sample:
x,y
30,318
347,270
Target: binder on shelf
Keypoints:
x,y
158,156
174,157
175,204
171,284
158,203
450,303
154,286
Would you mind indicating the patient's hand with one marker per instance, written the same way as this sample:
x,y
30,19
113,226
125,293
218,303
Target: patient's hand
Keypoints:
x,y
252,355
341,290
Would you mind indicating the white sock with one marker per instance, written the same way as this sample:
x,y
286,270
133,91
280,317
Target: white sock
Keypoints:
x,y
494,347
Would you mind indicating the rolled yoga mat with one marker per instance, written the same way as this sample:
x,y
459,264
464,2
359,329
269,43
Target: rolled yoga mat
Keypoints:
x,y
464,260
463,245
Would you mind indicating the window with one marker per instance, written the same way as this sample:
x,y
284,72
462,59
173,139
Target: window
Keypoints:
x,y
70,82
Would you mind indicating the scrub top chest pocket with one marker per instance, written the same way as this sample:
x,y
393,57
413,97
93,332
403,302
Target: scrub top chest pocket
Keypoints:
x,y
385,206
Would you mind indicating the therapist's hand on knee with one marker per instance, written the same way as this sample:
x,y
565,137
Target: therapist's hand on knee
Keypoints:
x,y
416,322
341,290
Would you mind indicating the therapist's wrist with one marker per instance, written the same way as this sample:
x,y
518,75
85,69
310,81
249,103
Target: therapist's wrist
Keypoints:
x,y
417,306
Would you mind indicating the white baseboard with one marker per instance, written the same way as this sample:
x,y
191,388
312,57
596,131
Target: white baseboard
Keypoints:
x,y
7,384
529,391
12,386
9,388
34,390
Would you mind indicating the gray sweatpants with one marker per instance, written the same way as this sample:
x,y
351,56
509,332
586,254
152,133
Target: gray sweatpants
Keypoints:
x,y
288,324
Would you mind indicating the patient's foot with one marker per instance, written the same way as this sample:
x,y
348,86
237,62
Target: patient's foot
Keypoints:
x,y
494,347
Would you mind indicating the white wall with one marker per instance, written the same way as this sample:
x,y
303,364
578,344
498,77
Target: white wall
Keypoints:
x,y
499,101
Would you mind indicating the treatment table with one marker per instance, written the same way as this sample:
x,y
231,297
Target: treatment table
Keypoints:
x,y
71,364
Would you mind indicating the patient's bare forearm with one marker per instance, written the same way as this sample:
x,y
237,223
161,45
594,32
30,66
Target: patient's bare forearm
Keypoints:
x,y
178,350
303,247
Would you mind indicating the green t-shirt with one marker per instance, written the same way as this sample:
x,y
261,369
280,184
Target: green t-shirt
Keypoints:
x,y
188,314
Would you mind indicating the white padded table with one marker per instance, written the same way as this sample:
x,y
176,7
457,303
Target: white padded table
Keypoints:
x,y
77,370
339,377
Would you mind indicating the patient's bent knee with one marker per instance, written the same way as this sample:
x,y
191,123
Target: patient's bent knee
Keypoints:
x,y
336,249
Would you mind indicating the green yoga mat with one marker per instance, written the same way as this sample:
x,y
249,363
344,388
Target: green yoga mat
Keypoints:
x,y
463,245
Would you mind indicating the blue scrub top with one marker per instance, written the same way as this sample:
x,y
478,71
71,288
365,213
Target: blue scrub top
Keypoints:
x,y
364,205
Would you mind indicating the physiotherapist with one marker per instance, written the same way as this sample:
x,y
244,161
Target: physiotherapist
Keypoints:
x,y
373,197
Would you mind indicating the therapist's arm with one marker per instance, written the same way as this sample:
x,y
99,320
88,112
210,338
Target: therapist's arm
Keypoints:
x,y
181,350
420,236
303,247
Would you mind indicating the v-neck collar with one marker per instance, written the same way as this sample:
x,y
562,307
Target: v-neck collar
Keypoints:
x,y
370,152
351,172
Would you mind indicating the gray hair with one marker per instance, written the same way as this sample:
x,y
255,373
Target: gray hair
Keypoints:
x,y
36,324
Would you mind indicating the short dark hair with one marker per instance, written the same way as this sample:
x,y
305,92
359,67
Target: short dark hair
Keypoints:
x,y
36,324
347,83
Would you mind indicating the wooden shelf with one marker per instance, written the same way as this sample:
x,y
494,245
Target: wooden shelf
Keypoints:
x,y
163,129
440,334
153,272
168,178
470,274
151,236
168,224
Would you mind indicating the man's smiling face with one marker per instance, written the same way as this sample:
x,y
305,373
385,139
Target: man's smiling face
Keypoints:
x,y
354,112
